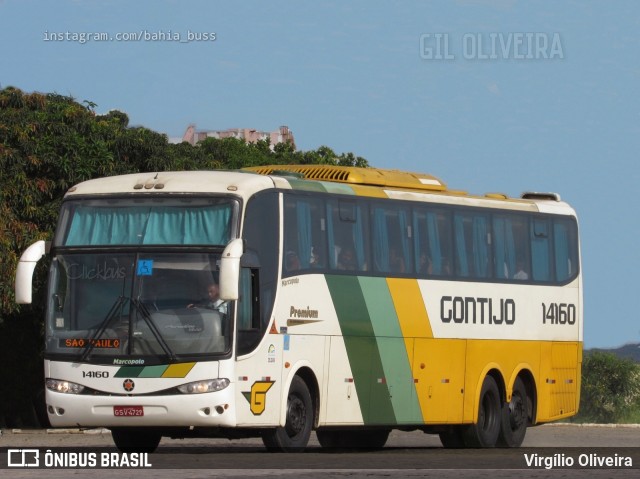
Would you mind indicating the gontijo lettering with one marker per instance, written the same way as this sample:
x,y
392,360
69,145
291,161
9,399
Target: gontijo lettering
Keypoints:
x,y
477,310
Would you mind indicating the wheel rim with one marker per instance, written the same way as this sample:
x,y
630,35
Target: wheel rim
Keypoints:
x,y
516,412
296,416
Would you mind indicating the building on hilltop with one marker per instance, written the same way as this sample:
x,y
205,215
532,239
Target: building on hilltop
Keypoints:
x,y
281,135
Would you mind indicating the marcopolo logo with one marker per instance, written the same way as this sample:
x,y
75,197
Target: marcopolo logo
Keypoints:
x,y
128,385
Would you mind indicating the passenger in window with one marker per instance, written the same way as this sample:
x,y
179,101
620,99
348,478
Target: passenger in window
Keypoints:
x,y
213,300
446,267
521,274
396,262
425,265
291,262
315,261
347,259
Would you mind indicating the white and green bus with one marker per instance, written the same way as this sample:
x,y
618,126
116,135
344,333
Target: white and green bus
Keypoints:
x,y
275,301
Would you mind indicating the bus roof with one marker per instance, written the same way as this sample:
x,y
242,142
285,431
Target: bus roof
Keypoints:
x,y
402,185
211,181
372,182
357,176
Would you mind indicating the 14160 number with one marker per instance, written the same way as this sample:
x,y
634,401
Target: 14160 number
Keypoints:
x,y
559,313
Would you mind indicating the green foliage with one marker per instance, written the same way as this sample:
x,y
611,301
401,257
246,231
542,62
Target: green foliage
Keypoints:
x,y
49,142
610,389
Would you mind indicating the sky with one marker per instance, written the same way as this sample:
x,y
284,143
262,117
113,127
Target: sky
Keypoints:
x,y
488,95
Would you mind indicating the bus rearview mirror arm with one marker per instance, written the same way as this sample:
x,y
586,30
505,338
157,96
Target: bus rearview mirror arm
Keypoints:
x,y
230,270
26,267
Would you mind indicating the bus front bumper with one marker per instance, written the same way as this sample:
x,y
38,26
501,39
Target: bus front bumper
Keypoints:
x,y
214,409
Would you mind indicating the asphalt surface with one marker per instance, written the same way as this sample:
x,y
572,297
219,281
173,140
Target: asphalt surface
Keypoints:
x,y
548,451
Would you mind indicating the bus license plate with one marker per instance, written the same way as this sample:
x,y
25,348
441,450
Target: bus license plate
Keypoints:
x,y
128,411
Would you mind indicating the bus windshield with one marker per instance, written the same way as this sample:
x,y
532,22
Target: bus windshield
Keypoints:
x,y
155,220
146,305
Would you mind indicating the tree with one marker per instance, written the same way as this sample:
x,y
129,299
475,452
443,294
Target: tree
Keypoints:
x,y
610,388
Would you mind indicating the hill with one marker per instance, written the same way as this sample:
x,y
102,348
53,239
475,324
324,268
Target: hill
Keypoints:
x,y
631,351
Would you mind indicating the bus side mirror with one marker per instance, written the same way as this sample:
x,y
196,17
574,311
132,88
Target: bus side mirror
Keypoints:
x,y
24,272
230,270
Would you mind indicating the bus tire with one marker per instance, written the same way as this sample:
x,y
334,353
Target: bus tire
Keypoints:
x,y
130,440
484,433
514,417
452,438
353,439
294,436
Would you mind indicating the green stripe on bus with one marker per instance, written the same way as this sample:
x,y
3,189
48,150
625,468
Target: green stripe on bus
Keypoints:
x,y
307,185
362,349
153,371
338,188
321,186
393,352
129,371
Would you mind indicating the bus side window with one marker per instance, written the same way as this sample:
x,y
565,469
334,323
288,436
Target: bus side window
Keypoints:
x,y
348,246
472,245
432,237
540,250
565,248
392,236
423,260
511,255
305,235
248,311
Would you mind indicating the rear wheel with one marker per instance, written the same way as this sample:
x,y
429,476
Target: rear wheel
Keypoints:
x,y
135,440
514,417
294,436
485,432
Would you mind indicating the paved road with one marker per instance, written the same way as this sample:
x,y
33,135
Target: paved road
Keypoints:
x,y
408,454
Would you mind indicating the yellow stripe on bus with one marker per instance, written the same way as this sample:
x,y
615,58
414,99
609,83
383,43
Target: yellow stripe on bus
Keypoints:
x,y
414,323
178,370
410,308
369,191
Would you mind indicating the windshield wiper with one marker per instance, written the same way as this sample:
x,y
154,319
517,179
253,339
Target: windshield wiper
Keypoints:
x,y
144,312
120,301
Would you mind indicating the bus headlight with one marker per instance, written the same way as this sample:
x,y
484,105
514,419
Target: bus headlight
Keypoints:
x,y
64,386
206,386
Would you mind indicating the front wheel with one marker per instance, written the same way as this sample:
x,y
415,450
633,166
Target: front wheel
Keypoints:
x,y
294,436
135,440
514,417
484,433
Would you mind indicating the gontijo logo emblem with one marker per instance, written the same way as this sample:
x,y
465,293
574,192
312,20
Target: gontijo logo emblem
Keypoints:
x,y
257,397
